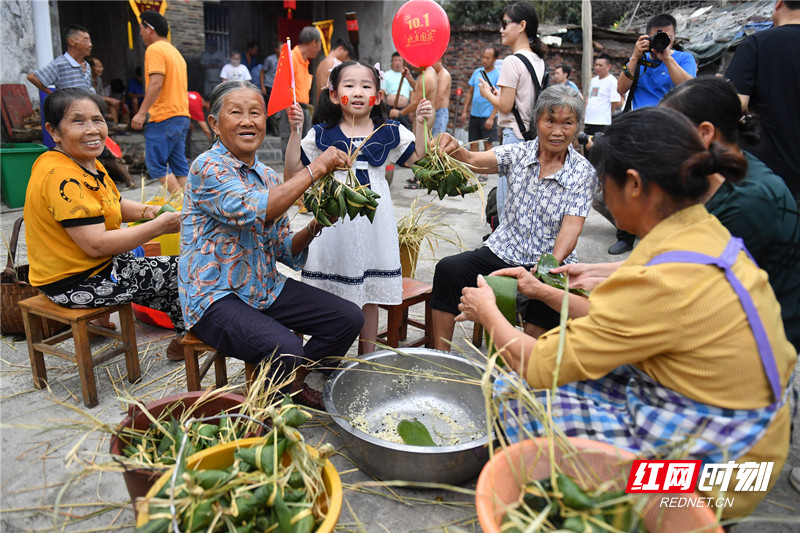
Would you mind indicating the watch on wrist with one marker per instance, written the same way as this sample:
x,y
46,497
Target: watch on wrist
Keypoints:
x,y
627,72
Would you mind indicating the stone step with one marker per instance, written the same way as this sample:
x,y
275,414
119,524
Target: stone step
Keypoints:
x,y
269,152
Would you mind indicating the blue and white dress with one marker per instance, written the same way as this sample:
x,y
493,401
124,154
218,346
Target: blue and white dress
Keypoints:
x,y
359,260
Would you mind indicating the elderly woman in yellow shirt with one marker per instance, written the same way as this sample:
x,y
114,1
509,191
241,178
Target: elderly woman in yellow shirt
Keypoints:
x,y
683,345
80,255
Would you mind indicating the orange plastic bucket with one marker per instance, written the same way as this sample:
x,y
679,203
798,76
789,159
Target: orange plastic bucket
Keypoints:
x,y
501,480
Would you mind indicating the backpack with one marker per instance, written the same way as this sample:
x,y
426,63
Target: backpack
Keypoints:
x,y
491,206
530,134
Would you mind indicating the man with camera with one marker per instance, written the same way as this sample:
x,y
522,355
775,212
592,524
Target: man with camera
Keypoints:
x,y
653,69
654,66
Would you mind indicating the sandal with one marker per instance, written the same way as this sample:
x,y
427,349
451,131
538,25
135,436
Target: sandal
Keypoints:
x,y
309,398
414,185
175,349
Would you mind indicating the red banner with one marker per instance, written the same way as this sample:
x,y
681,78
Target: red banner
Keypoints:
x,y
140,6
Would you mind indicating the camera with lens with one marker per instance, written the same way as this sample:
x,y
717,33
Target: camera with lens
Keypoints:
x,y
583,138
659,42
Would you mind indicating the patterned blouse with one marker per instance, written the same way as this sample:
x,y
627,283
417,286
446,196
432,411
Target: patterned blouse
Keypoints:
x,y
227,244
535,206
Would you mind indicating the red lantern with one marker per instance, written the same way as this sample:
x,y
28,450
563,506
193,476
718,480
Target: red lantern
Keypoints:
x,y
421,32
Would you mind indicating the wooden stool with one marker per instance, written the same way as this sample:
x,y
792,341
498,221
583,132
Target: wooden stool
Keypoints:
x,y
78,320
414,292
192,348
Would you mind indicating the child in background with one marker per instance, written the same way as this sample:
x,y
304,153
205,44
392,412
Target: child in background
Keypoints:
x,y
355,259
235,71
197,106
112,104
135,91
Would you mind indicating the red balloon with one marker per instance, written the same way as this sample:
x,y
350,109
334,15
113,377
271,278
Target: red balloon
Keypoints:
x,y
421,32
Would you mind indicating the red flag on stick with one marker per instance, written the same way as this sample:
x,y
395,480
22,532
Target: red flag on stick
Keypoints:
x,y
113,147
282,95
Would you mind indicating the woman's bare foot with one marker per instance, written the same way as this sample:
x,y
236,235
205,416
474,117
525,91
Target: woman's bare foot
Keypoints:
x,y
104,322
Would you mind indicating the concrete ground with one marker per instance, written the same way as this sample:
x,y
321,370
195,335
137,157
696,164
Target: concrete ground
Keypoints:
x,y
49,480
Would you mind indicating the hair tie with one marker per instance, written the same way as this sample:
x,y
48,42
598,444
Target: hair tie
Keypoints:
x,y
336,63
377,66
714,160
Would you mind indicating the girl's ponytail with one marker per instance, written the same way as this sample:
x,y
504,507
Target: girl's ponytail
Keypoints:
x,y
326,112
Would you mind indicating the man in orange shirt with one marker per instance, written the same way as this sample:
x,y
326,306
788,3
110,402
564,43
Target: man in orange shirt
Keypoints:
x,y
166,100
309,44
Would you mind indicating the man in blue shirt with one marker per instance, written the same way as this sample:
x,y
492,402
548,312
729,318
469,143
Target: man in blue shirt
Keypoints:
x,y
655,73
482,114
561,77
659,71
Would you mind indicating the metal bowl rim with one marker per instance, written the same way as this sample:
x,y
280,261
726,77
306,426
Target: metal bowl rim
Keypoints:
x,y
341,420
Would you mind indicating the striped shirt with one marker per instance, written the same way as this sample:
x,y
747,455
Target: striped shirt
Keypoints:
x,y
64,72
535,206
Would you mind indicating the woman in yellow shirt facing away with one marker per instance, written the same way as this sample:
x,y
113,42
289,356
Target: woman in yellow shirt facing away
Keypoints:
x,y
682,346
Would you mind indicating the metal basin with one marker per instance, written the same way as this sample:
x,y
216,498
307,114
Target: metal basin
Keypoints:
x,y
367,398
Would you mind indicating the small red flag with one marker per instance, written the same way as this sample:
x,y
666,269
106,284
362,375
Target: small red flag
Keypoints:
x,y
113,147
282,95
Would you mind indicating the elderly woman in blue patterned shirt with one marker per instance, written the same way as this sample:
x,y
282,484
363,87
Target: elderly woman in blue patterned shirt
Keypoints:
x,y
235,229
550,194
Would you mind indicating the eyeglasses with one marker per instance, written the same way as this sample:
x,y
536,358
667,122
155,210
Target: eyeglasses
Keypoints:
x,y
506,22
149,25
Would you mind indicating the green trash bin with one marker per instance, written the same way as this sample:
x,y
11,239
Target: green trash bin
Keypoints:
x,y
16,160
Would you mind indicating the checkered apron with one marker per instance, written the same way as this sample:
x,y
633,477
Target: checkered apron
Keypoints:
x,y
630,410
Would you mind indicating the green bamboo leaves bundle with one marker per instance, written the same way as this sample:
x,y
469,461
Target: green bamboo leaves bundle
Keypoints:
x,y
274,486
567,507
329,198
158,446
440,172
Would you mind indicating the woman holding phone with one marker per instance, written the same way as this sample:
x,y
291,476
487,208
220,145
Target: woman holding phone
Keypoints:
x,y
516,89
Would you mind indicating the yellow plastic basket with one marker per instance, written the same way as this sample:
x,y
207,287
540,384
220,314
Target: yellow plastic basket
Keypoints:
x,y
220,457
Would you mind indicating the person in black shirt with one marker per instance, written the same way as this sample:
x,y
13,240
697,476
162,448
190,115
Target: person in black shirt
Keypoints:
x,y
766,73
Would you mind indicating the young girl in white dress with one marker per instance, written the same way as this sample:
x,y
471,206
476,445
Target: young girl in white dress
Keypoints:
x,y
359,260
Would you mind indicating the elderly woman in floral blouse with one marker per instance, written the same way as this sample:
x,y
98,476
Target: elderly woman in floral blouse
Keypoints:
x,y
550,194
235,230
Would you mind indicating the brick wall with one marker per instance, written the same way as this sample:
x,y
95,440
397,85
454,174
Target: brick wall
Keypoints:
x,y
187,26
463,57
187,29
